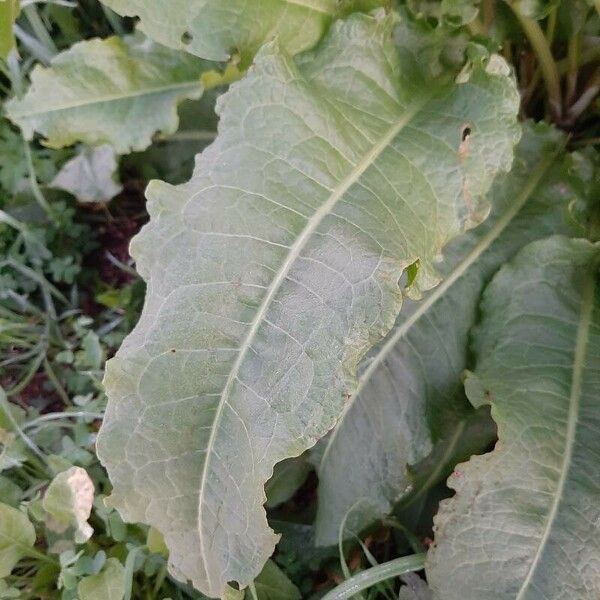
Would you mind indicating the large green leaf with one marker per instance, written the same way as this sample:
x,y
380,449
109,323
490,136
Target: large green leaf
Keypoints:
x,y
216,29
524,524
117,90
90,175
410,392
276,267
17,536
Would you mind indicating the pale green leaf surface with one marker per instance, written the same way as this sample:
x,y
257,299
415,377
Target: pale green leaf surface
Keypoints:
x,y
216,29
109,584
275,268
90,176
288,476
410,392
16,537
524,523
68,502
273,584
117,90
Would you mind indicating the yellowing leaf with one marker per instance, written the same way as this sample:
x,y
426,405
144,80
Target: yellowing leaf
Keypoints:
x,y
68,501
275,269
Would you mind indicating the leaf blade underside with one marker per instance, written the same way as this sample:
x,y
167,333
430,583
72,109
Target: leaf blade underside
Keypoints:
x,y
272,272
531,502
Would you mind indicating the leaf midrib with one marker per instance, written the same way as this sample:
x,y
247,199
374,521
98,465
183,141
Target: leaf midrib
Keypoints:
x,y
463,266
195,83
581,346
295,250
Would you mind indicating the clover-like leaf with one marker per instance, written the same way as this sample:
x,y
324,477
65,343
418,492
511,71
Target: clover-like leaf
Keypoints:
x,y
524,523
276,267
410,393
116,90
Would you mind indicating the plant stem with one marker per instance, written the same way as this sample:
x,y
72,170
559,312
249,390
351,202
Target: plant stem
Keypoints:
x,y
39,29
540,46
586,98
368,578
35,188
31,371
37,49
573,53
551,26
40,556
487,13
62,415
252,589
586,56
60,390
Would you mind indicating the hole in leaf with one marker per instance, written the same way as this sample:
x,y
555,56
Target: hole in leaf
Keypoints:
x,y
463,148
187,38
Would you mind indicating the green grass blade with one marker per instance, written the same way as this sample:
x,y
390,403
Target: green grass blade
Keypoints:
x,y
369,577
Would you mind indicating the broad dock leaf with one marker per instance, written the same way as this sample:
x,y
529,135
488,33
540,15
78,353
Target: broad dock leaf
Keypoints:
x,y
410,392
275,269
217,29
524,523
117,90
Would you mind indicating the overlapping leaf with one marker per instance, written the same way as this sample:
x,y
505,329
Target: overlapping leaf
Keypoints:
x,y
117,90
90,176
17,536
216,29
524,523
276,267
410,393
